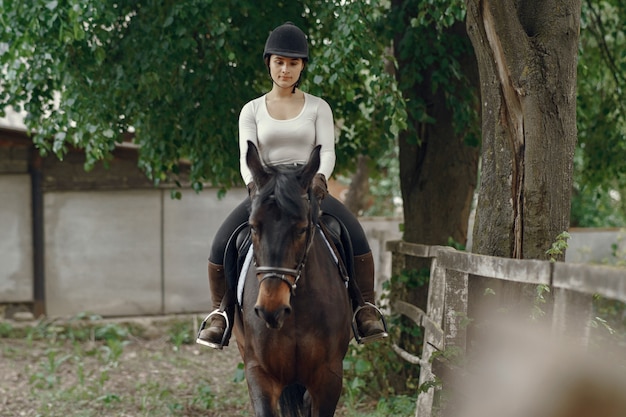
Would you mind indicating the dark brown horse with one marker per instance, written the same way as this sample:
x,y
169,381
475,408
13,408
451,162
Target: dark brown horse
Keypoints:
x,y
293,328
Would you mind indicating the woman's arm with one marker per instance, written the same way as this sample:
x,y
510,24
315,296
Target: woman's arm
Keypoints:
x,y
247,132
325,136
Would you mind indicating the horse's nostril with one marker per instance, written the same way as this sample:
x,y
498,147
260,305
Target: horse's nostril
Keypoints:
x,y
258,311
287,311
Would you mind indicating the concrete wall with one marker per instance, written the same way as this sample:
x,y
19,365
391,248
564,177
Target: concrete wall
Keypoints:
x,y
140,252
103,252
596,245
189,227
130,252
16,239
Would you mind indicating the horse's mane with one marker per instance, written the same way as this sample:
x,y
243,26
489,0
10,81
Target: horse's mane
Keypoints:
x,y
285,190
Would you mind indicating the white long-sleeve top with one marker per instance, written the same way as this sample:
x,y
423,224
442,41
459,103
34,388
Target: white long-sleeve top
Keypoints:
x,y
287,141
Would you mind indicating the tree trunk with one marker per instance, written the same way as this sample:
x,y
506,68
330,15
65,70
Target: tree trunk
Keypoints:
x,y
438,177
527,55
438,170
358,197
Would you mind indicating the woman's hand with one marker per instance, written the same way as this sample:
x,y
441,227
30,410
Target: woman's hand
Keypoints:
x,y
251,189
319,186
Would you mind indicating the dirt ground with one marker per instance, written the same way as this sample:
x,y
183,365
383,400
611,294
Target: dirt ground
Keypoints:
x,y
149,375
47,370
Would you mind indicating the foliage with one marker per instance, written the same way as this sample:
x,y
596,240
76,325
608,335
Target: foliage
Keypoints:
x,y
612,313
409,280
375,371
556,251
429,52
182,333
6,329
350,70
539,301
618,250
385,186
596,205
608,329
601,116
175,75
399,406
393,376
558,247
609,324
80,328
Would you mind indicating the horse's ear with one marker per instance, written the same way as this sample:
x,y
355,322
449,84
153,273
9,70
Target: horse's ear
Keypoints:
x,y
311,167
253,160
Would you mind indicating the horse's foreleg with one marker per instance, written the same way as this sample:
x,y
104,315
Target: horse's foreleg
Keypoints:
x,y
264,391
326,391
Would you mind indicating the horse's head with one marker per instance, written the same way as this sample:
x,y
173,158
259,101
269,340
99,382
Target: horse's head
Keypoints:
x,y
282,221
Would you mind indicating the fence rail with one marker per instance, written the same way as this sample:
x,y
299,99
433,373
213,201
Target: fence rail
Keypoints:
x,y
572,286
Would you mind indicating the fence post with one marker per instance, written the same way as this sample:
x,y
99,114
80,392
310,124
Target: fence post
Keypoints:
x,y
432,341
573,286
455,313
398,260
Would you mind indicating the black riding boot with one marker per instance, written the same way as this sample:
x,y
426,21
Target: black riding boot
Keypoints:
x,y
213,335
370,325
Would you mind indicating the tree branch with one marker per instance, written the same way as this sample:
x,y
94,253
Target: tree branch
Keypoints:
x,y
600,36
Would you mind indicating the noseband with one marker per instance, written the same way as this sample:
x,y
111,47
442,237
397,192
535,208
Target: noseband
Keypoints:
x,y
283,274
273,272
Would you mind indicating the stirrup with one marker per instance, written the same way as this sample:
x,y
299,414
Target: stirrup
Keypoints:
x,y
355,329
225,336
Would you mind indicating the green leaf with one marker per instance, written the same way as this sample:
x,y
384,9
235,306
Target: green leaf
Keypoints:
x,y
179,73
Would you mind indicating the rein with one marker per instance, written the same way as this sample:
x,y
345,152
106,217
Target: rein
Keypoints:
x,y
275,272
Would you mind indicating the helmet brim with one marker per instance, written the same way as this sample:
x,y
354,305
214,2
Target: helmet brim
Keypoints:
x,y
286,54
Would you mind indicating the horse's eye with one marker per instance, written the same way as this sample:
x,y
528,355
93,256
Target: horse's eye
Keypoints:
x,y
302,231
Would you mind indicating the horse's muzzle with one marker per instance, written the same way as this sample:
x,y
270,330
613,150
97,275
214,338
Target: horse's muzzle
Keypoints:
x,y
276,287
273,319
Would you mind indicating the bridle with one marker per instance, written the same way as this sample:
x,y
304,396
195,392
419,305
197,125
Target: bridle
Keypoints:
x,y
284,274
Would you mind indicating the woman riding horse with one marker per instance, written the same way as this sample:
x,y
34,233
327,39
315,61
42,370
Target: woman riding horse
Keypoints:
x,y
285,125
293,324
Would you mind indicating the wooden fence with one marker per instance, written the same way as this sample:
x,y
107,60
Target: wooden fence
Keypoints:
x,y
572,287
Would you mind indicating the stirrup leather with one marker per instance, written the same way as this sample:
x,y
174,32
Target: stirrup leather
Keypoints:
x,y
360,339
225,336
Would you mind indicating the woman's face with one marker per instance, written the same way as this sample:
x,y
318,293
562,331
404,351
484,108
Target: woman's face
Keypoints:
x,y
285,71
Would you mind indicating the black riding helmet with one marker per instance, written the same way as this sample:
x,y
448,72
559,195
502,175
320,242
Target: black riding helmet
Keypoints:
x,y
289,41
